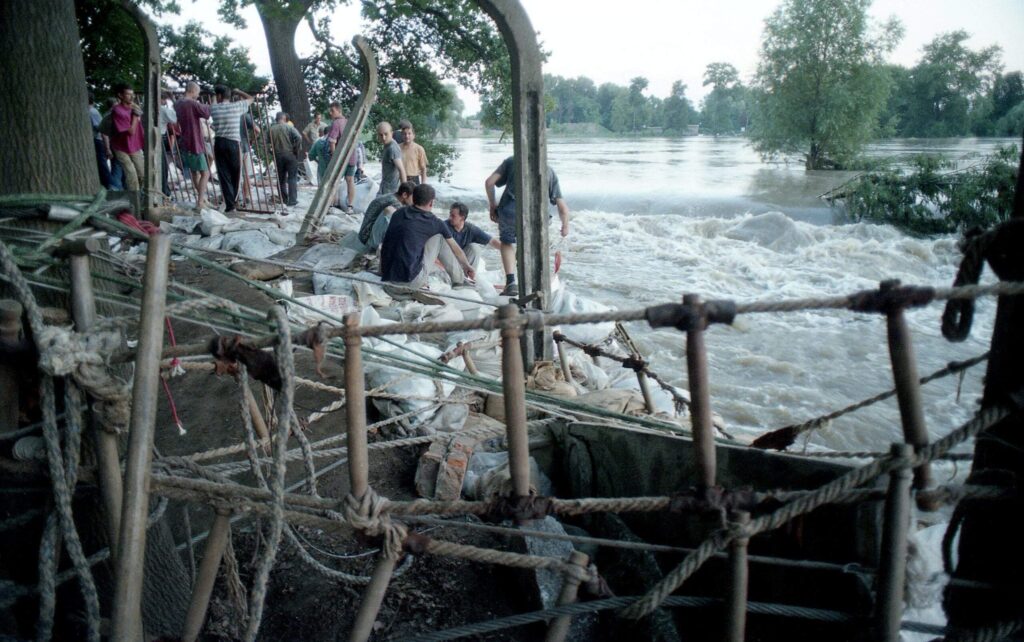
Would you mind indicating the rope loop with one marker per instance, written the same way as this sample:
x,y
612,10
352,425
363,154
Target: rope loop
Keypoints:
x,y
368,515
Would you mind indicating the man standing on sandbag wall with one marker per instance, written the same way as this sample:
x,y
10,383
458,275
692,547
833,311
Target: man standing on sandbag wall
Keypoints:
x,y
226,115
287,143
128,139
392,169
191,145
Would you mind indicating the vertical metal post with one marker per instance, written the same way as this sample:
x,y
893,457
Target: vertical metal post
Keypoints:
x,y
126,620
645,390
559,627
700,393
908,387
563,360
10,330
513,383
736,602
213,553
108,454
892,567
359,471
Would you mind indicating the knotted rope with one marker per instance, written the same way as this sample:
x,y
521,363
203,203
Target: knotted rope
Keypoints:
x,y
367,515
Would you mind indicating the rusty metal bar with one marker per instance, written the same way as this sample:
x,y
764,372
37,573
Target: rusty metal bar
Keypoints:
x,y
259,151
563,360
10,331
700,393
126,620
213,553
645,390
736,601
908,387
271,160
327,188
559,627
513,382
892,567
108,454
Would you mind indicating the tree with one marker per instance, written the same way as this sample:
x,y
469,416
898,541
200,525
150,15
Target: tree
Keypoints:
x,y
196,54
606,95
947,84
820,81
720,75
725,108
677,109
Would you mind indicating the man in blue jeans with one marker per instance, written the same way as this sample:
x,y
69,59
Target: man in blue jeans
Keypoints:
x,y
503,213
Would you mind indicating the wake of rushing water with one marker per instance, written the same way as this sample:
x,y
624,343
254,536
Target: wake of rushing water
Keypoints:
x,y
654,219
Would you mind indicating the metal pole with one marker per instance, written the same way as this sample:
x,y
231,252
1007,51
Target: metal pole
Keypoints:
x,y
736,602
216,542
892,567
513,384
563,360
908,388
559,627
126,620
108,454
10,331
700,394
358,471
645,390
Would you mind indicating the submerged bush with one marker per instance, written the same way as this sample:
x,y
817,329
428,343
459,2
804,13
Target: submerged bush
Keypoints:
x,y
931,196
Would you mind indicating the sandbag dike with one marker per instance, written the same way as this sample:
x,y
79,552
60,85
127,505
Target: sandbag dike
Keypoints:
x,y
594,460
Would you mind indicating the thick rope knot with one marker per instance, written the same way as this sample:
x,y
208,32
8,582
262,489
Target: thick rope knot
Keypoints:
x,y
521,508
367,515
595,584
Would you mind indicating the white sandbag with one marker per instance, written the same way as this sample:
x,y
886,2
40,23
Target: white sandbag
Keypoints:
x,y
278,236
311,169
411,392
484,285
252,243
370,293
209,242
369,317
186,224
339,224
366,191
585,372
329,308
565,302
213,222
324,256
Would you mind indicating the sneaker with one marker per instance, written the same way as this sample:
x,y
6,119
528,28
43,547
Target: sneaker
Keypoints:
x,y
512,289
350,211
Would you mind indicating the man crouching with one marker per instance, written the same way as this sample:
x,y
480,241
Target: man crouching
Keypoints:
x,y
413,242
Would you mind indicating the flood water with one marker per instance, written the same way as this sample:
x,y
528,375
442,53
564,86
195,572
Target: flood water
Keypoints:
x,y
654,218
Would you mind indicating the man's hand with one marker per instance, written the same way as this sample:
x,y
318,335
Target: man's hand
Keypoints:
x,y
137,110
565,230
494,213
470,273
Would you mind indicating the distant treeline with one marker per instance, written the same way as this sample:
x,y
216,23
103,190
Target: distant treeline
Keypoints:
x,y
951,91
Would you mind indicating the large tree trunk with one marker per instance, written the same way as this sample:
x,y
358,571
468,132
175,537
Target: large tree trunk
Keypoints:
x,y
47,145
280,20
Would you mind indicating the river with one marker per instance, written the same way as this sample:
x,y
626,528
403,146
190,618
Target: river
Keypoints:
x,y
654,218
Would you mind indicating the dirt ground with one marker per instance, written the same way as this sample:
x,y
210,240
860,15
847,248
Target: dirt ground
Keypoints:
x,y
302,604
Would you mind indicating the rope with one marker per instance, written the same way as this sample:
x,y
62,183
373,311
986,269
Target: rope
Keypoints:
x,y
991,633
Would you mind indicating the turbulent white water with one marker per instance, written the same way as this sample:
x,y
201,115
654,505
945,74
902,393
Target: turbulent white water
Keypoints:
x,y
653,219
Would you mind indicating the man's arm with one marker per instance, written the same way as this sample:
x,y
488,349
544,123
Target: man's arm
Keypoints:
x,y
495,243
400,164
244,96
423,165
460,256
492,203
563,213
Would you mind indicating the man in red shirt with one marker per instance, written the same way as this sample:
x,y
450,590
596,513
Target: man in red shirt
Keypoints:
x,y
191,143
128,139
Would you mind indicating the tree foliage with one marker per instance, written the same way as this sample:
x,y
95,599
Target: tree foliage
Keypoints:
x,y
726,110
820,83
193,53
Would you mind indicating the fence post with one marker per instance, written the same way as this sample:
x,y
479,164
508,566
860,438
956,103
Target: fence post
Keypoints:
x,y
570,587
359,472
736,603
892,568
908,387
126,620
108,455
513,382
700,394
563,360
207,575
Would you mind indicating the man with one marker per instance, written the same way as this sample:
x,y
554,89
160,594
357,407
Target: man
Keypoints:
x,y
338,123
320,152
287,144
392,169
504,214
312,130
413,240
467,236
413,155
226,116
128,139
97,140
190,113
378,215
167,117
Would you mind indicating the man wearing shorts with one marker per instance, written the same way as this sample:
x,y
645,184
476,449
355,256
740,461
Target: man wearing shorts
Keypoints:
x,y
503,213
191,144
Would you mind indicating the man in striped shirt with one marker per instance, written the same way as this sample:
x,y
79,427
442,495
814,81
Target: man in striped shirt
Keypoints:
x,y
226,116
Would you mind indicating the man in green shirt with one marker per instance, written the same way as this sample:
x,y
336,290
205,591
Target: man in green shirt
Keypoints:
x,y
287,143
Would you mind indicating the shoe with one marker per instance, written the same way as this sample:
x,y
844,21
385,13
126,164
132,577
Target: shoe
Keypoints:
x,y
512,289
350,211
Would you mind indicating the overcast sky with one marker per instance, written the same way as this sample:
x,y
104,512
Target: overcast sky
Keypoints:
x,y
673,40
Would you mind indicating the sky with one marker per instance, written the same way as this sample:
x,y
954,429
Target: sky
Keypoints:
x,y
665,41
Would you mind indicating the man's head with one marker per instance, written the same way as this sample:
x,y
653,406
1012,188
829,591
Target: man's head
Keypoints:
x,y
165,95
222,93
457,215
384,132
125,94
404,192
316,118
281,117
408,133
423,196
192,90
334,111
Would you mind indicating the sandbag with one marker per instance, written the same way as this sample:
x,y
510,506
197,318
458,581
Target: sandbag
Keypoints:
x,y
547,378
409,391
257,270
328,308
565,302
626,402
252,243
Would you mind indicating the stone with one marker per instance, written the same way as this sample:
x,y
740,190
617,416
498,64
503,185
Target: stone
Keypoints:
x,y
452,471
425,480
